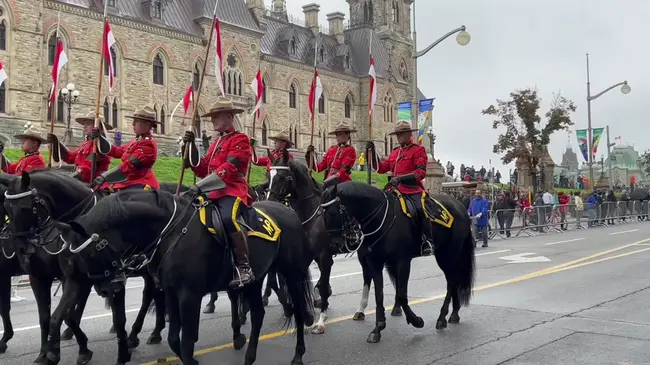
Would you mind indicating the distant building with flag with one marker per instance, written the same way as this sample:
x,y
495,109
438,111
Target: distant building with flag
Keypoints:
x,y
156,49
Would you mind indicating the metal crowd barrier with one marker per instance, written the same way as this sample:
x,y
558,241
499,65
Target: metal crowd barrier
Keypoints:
x,y
531,221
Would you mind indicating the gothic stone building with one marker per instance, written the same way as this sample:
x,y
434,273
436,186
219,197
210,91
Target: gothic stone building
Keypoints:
x,y
160,51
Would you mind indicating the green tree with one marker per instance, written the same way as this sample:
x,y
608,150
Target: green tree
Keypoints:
x,y
525,134
645,164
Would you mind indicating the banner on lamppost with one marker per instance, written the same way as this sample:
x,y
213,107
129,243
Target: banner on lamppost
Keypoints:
x,y
581,134
425,117
597,133
404,112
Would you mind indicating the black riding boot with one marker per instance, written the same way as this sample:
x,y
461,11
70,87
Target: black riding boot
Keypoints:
x,y
243,272
427,237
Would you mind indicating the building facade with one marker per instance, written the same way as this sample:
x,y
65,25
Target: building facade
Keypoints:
x,y
160,52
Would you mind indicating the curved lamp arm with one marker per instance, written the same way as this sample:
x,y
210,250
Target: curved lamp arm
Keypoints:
x,y
424,51
606,90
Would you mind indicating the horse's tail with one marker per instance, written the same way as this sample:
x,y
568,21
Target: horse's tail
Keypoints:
x,y
466,269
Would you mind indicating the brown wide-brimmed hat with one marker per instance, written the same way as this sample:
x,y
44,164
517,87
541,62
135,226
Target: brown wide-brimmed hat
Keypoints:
x,y
31,132
222,105
401,127
282,136
90,117
342,128
146,114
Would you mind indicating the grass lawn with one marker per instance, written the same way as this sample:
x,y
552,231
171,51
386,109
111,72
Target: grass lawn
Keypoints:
x,y
167,169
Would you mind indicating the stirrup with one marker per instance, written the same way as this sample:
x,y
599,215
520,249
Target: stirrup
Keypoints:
x,y
237,281
426,243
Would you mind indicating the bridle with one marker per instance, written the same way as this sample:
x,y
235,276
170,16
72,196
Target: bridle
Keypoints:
x,y
286,195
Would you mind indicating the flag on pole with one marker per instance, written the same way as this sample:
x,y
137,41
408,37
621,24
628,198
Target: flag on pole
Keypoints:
x,y
617,138
218,56
258,90
3,73
187,99
109,41
373,81
60,59
315,92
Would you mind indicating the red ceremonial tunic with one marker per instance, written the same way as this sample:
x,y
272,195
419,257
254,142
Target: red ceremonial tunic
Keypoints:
x,y
144,149
266,161
80,158
228,157
338,161
29,162
409,159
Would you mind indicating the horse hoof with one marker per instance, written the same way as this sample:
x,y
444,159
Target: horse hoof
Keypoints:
x,y
3,347
133,342
84,358
396,312
67,335
239,342
374,337
441,324
112,330
417,322
454,319
265,302
318,330
359,316
154,340
317,303
52,358
297,362
41,360
209,309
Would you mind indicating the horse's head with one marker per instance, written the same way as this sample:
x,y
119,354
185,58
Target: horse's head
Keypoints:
x,y
282,182
35,198
102,236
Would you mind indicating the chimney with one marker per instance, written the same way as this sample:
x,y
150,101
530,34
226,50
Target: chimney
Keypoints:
x,y
336,25
257,8
311,16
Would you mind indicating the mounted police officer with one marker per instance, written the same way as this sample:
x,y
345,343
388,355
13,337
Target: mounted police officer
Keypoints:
x,y
81,156
338,159
282,144
31,141
228,157
408,165
138,156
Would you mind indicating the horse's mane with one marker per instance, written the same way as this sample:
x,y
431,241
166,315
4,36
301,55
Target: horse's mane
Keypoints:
x,y
302,173
358,190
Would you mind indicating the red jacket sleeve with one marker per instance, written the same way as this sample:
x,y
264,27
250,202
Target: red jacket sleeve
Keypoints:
x,y
348,158
387,164
72,155
321,166
34,162
201,170
262,161
145,152
239,155
117,151
420,159
10,168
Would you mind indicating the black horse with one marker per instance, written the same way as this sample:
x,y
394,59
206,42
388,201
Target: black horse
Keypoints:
x,y
390,238
190,261
34,201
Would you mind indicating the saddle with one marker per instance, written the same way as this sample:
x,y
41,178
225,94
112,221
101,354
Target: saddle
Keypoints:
x,y
255,223
433,210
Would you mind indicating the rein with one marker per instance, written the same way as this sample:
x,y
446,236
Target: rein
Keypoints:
x,y
286,196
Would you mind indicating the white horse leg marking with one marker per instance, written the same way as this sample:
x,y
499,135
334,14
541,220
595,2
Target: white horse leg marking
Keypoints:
x,y
364,299
319,327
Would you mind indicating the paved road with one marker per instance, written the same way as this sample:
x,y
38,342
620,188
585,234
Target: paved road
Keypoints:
x,y
585,304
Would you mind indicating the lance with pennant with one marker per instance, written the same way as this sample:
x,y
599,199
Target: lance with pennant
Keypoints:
x,y
53,101
370,153
312,103
93,155
258,88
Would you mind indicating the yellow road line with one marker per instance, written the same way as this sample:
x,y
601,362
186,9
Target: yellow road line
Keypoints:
x,y
581,262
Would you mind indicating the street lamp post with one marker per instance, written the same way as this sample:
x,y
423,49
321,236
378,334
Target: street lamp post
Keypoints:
x,y
463,39
70,96
625,89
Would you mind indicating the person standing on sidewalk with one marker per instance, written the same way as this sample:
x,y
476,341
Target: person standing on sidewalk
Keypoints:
x,y
478,209
579,209
15,298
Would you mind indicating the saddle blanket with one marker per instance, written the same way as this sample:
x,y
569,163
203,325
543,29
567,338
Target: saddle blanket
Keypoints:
x,y
256,223
433,209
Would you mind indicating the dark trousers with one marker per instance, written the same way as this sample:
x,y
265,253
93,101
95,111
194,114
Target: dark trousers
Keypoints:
x,y
505,221
231,208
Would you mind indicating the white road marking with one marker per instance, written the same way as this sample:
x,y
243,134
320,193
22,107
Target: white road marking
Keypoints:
x,y
566,241
491,252
621,232
644,244
521,259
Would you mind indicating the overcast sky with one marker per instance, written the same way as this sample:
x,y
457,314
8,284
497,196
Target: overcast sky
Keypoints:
x,y
517,44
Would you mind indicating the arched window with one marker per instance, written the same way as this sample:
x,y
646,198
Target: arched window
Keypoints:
x,y
114,59
114,115
107,109
233,78
292,46
155,125
158,70
324,141
395,12
265,132
163,120
321,103
264,90
321,54
3,98
367,11
389,109
291,134
391,144
348,106
60,108
292,96
386,145
295,136
196,76
3,35
51,49
346,61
